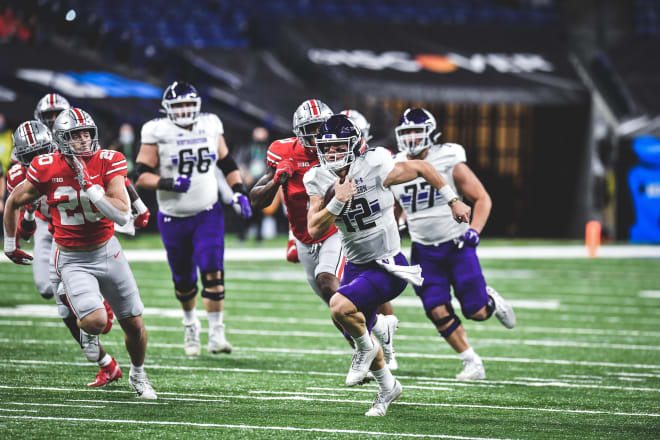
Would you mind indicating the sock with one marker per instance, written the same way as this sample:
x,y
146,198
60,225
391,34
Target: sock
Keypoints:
x,y
380,327
136,370
490,306
215,319
189,316
105,361
384,378
364,342
467,355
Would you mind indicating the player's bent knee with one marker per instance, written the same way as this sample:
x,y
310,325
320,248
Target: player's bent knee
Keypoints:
x,y
95,322
480,315
213,296
189,294
446,324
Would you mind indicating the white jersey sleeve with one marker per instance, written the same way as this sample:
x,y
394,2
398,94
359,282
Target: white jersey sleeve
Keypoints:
x,y
430,220
317,181
149,131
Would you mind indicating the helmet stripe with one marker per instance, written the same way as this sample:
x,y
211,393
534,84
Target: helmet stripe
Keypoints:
x,y
314,106
28,131
79,116
51,97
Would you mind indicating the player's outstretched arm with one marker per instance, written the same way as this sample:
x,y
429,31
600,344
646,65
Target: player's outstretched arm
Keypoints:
x,y
263,192
146,164
411,169
468,184
23,194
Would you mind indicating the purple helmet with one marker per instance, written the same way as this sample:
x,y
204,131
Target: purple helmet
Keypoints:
x,y
175,98
415,131
339,141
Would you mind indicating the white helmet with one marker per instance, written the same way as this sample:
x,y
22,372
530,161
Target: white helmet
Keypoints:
x,y
180,92
51,104
423,123
307,118
70,121
31,139
360,121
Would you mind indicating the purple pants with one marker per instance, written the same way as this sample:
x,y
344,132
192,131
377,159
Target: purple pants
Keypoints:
x,y
369,285
446,265
193,242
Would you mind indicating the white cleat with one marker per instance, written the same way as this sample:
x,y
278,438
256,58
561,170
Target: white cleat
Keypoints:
x,y
360,364
383,400
191,343
472,370
90,346
142,386
503,310
217,341
386,339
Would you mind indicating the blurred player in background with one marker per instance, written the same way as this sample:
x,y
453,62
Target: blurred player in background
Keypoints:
x,y
443,248
177,158
376,270
85,191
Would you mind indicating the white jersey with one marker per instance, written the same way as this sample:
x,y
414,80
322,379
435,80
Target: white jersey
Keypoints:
x,y
430,220
186,152
369,230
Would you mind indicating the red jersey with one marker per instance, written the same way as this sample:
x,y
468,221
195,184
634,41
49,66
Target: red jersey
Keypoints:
x,y
16,175
76,221
294,195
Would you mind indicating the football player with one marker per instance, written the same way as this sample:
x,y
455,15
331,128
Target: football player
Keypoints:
x,y
177,158
443,248
85,191
362,205
31,139
385,319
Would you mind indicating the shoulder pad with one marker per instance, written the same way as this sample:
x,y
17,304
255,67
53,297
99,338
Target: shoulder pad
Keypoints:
x,y
278,150
375,156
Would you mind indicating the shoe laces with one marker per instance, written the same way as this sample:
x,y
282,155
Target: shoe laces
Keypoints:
x,y
190,332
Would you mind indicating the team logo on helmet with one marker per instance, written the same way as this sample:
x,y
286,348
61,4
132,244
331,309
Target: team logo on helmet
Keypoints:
x,y
49,107
416,131
75,133
360,121
181,103
307,119
339,141
31,139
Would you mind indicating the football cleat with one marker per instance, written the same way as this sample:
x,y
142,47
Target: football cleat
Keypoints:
x,y
90,346
142,386
111,317
503,310
107,374
383,400
472,370
385,335
217,341
191,343
360,364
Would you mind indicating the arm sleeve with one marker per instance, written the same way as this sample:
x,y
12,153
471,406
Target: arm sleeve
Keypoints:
x,y
114,164
217,124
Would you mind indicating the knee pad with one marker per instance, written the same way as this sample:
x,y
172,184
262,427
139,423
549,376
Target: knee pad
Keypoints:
x,y
214,296
213,282
186,297
447,319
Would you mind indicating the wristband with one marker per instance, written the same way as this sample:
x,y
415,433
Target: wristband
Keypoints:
x,y
139,206
166,183
447,193
28,216
239,188
95,193
10,242
335,207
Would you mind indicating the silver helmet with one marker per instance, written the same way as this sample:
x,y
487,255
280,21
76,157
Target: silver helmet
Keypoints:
x,y
31,139
307,118
416,131
360,121
70,122
49,107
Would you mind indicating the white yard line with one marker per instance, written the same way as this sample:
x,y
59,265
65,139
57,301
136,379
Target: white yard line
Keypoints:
x,y
120,402
486,252
54,404
440,381
649,294
244,427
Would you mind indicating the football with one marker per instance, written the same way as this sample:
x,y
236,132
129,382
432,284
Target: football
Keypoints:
x,y
329,194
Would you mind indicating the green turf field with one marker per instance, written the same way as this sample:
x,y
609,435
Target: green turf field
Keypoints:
x,y
583,362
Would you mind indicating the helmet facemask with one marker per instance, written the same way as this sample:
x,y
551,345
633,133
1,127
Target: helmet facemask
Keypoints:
x,y
338,143
184,112
82,142
76,134
415,132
